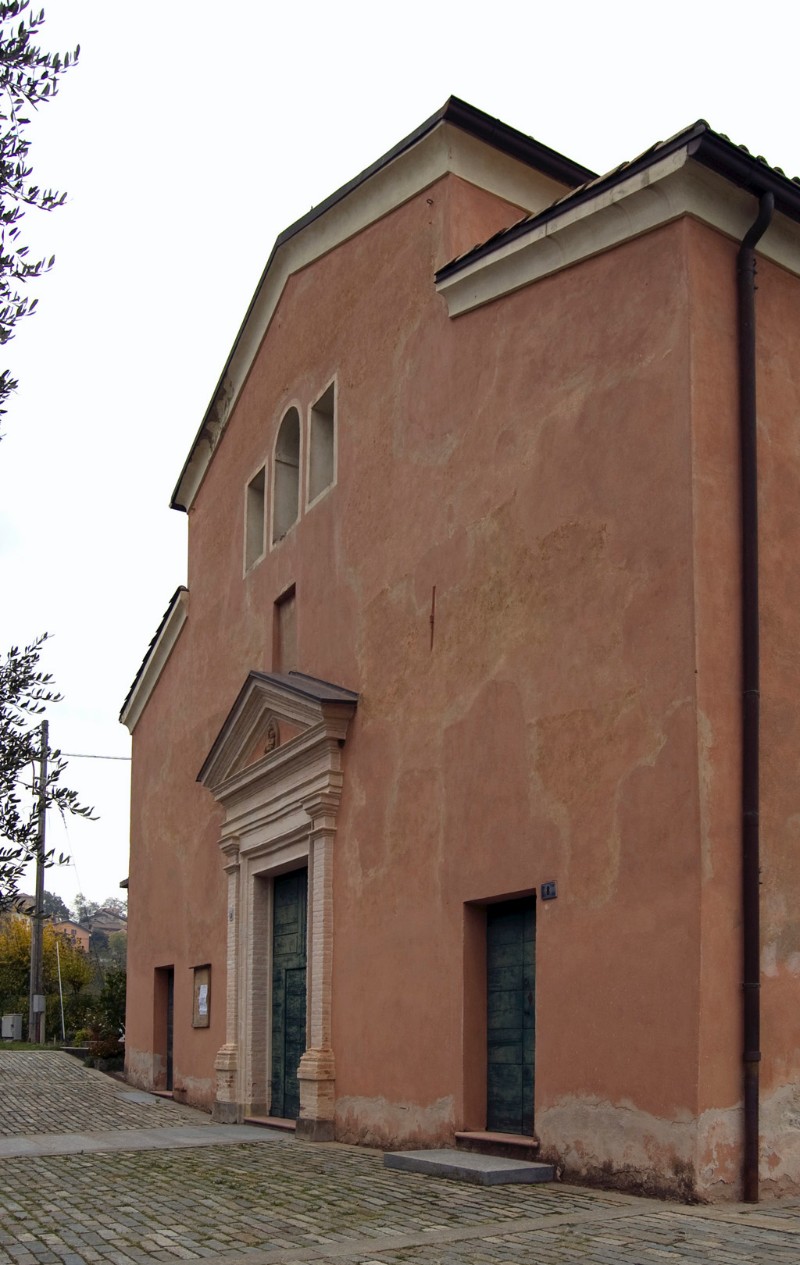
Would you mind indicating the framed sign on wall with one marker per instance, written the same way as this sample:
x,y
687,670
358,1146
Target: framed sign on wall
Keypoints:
x,y
201,1008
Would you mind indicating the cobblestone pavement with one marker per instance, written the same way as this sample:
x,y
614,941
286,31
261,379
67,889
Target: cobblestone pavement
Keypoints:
x,y
278,1201
44,1092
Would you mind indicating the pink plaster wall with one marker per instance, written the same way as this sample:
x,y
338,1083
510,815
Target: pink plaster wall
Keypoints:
x,y
717,598
176,893
177,889
560,465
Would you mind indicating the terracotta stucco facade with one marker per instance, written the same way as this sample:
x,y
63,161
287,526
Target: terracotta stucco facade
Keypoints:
x,y
523,580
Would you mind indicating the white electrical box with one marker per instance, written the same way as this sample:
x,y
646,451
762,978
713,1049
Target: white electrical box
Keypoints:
x,y
12,1027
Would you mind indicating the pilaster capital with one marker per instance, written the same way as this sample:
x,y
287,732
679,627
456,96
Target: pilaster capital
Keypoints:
x,y
317,1065
230,850
226,1060
323,808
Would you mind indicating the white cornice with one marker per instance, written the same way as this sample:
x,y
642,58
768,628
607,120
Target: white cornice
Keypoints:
x,y
155,661
671,188
446,149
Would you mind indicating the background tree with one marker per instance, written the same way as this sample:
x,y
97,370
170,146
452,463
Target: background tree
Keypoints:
x,y
111,1003
117,954
54,907
15,962
15,959
29,76
24,691
115,905
107,1023
85,910
76,969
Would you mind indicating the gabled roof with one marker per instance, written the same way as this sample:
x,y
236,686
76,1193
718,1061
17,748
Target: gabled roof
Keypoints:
x,y
455,114
505,139
709,148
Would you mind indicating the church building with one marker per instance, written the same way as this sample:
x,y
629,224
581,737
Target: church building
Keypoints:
x,y
465,794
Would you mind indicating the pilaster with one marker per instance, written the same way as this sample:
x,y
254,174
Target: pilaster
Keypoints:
x,y
316,1072
227,1108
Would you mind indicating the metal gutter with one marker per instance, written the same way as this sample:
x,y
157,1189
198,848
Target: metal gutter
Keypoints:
x,y
751,702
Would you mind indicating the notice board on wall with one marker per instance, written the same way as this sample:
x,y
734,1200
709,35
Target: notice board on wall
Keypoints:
x,y
201,1009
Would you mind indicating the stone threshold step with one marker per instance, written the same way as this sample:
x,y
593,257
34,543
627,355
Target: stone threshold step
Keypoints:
x,y
466,1166
271,1122
518,1146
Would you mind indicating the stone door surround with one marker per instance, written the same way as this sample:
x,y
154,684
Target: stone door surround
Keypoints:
x,y
276,770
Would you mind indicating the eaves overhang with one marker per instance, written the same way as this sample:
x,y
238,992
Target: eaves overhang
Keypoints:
x,y
590,191
698,172
741,168
155,659
457,115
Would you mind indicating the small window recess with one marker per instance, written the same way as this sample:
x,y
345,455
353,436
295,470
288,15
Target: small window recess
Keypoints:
x,y
255,519
322,445
284,632
286,476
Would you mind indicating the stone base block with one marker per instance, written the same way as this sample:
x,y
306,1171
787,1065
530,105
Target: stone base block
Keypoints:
x,y
314,1130
316,1077
225,1113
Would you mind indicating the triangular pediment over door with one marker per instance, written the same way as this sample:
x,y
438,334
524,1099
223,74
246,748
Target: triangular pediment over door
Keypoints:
x,y
276,717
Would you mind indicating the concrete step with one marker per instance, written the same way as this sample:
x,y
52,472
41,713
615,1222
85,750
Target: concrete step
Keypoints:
x,y
465,1166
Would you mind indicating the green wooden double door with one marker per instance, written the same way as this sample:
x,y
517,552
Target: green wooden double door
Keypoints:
x,y
289,914
510,1025
510,1005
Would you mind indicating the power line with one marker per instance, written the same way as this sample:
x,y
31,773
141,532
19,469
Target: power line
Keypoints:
x,y
80,755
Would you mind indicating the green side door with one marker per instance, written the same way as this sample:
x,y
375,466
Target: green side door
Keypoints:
x,y
290,900
511,1016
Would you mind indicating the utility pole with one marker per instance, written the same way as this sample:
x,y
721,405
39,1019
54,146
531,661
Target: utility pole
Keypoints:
x,y
36,997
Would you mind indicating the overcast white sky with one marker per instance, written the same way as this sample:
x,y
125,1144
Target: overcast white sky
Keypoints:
x,y
188,136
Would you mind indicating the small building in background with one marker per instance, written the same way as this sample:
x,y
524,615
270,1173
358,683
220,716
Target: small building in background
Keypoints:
x,y
73,931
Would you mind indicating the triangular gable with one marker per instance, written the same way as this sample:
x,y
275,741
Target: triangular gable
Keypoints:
x,y
273,713
458,138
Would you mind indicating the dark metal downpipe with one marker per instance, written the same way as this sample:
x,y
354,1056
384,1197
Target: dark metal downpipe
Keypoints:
x,y
751,929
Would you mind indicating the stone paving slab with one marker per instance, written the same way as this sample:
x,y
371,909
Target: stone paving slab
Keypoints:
x,y
166,1138
469,1166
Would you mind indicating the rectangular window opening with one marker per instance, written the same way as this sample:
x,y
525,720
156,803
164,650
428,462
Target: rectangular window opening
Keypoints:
x,y
284,632
322,448
255,519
